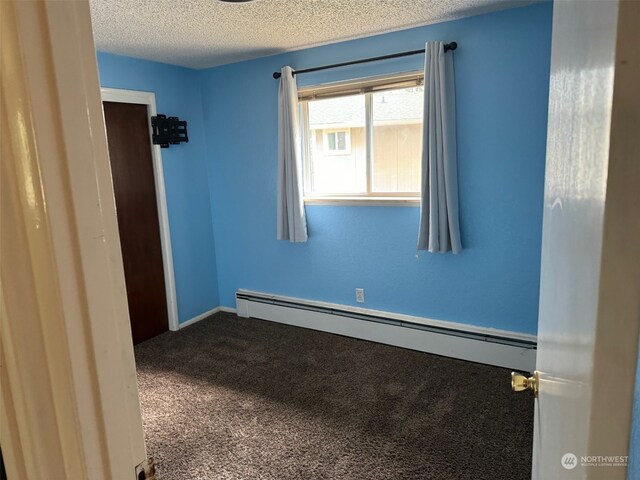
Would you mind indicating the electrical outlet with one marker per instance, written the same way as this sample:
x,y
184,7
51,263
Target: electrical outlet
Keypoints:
x,y
360,295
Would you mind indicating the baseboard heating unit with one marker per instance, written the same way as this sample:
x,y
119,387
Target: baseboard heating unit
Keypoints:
x,y
483,345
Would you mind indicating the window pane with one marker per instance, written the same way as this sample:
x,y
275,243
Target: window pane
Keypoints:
x,y
331,141
333,167
397,140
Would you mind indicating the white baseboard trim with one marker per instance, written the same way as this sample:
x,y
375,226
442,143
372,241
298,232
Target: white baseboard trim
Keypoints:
x,y
490,346
204,315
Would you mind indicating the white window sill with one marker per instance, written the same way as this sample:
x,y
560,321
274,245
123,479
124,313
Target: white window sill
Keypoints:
x,y
368,201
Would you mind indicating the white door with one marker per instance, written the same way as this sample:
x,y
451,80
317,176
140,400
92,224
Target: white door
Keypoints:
x,y
590,277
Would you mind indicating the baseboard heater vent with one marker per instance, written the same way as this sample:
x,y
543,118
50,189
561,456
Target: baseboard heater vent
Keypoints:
x,y
493,347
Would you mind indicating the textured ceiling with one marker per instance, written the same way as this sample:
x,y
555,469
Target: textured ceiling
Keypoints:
x,y
205,33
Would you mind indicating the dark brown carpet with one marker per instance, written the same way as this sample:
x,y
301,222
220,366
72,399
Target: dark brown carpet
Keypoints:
x,y
232,398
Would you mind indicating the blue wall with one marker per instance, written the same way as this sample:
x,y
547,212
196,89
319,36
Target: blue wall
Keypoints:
x,y
502,77
178,93
225,178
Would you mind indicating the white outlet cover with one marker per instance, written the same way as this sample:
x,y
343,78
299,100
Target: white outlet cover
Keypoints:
x,y
360,295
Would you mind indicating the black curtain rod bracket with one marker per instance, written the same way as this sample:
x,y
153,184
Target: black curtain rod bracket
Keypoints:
x,y
447,47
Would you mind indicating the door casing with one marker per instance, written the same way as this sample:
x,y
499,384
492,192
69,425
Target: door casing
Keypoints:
x,y
69,405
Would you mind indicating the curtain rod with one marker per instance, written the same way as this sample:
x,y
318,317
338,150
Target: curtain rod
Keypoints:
x,y
447,47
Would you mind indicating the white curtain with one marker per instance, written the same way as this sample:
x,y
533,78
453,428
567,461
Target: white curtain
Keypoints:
x,y
292,222
439,229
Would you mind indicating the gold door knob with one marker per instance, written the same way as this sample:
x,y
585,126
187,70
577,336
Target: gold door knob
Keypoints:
x,y
520,383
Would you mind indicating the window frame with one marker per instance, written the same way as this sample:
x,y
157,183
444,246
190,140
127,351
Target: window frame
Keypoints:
x,y
367,87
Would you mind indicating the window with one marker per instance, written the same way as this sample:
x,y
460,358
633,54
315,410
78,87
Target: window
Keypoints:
x,y
363,140
337,142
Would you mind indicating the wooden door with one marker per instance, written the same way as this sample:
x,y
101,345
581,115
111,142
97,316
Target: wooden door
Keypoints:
x,y
137,211
590,277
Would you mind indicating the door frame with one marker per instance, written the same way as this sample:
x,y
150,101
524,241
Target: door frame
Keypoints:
x,y
139,97
69,405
